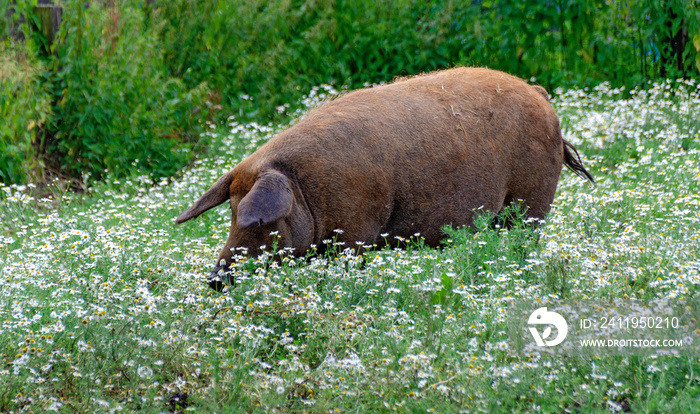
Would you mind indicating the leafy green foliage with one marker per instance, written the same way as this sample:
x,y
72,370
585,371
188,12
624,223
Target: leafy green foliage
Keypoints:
x,y
115,106
24,110
272,51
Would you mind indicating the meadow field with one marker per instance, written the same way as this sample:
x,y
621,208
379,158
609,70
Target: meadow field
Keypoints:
x,y
104,303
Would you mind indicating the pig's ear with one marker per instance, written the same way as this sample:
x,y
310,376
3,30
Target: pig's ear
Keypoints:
x,y
269,200
216,195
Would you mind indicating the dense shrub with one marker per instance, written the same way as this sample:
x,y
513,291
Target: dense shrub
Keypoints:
x,y
270,50
24,109
115,104
262,54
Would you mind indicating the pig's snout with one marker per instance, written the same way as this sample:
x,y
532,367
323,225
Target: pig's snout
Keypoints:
x,y
219,277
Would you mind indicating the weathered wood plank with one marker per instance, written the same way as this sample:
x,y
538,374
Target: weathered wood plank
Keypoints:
x,y
50,17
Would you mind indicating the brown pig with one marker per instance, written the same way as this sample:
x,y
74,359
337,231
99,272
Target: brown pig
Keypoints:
x,y
403,158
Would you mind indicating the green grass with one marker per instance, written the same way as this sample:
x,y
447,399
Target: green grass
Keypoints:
x,y
104,303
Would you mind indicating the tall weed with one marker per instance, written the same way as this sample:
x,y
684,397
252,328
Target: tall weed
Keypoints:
x,y
24,110
115,105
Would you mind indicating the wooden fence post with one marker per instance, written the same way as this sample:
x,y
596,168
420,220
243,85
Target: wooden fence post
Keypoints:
x,y
50,17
